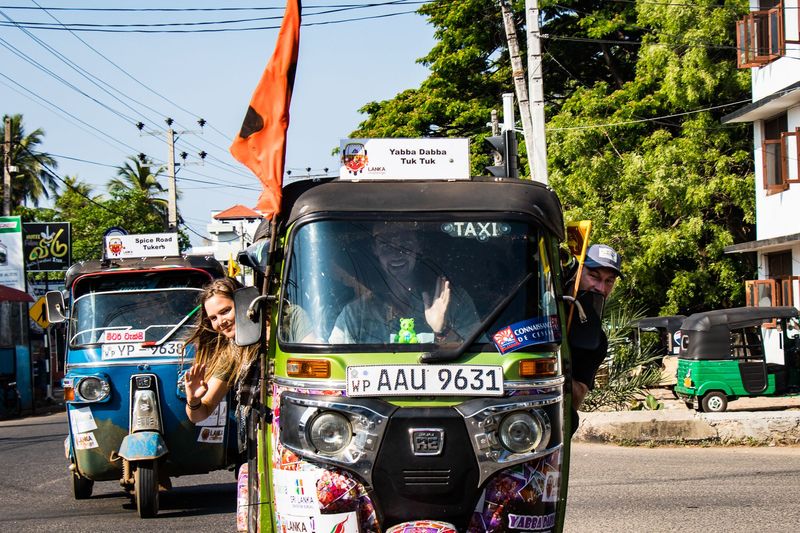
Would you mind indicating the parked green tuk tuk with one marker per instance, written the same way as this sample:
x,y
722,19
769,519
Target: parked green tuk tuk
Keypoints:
x,y
668,343
741,352
380,422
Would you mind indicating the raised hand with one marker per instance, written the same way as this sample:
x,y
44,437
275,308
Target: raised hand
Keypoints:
x,y
436,308
196,386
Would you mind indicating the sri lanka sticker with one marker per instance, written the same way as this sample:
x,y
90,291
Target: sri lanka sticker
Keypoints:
x,y
85,441
212,435
539,330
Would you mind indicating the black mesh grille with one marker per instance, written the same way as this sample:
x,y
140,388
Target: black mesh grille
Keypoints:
x,y
409,485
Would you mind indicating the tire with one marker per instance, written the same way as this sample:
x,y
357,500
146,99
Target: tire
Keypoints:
x,y
146,489
81,487
714,402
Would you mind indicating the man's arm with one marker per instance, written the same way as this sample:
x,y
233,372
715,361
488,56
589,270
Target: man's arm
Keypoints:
x,y
579,391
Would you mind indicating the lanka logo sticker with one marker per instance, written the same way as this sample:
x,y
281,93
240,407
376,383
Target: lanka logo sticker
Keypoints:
x,y
354,158
540,330
115,246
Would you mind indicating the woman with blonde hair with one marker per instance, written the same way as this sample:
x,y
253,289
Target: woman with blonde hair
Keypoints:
x,y
219,364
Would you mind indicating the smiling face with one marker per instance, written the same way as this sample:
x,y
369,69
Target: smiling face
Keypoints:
x,y
598,280
221,315
396,253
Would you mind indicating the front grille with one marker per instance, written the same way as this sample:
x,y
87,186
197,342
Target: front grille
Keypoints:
x,y
439,486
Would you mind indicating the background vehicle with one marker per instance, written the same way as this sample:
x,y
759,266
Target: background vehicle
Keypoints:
x,y
442,434
729,353
125,403
668,343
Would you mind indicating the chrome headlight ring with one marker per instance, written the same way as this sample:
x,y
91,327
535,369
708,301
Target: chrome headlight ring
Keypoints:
x,y
92,389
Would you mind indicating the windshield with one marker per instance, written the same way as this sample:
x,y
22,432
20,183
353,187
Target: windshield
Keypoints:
x,y
146,315
400,283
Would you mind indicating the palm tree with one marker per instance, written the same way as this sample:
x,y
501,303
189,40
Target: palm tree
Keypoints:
x,y
135,175
31,180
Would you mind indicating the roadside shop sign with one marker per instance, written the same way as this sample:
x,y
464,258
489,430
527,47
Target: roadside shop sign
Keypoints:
x,y
47,246
12,266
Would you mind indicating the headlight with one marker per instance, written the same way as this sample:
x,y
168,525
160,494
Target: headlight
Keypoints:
x,y
520,432
93,389
330,432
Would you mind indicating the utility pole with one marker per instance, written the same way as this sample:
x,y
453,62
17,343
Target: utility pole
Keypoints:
x,y
172,189
537,154
518,74
172,200
7,169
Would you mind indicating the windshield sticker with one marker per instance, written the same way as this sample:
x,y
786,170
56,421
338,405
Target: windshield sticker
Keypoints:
x,y
125,335
538,330
481,231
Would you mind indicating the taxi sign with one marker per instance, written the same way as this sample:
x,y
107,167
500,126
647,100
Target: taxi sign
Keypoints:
x,y
385,159
38,312
138,246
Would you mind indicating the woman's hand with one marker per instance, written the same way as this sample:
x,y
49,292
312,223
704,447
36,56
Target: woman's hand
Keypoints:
x,y
195,382
436,310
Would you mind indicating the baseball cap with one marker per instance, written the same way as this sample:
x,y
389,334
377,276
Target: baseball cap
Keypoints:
x,y
603,256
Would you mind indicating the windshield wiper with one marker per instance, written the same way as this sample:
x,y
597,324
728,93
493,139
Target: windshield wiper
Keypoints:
x,y
171,332
439,356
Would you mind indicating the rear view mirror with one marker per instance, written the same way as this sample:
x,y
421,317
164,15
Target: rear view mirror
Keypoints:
x,y
54,307
255,256
248,329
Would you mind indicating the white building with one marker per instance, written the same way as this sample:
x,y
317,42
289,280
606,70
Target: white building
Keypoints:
x,y
230,231
768,43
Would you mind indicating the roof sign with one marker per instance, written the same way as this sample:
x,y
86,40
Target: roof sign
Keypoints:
x,y
138,246
401,159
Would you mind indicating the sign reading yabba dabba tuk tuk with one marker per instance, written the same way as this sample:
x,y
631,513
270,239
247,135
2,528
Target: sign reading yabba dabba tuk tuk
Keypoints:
x,y
46,246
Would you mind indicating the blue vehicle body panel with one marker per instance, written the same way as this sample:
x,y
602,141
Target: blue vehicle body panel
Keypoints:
x,y
142,445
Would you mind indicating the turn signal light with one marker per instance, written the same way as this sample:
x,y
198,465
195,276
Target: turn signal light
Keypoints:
x,y
536,368
69,394
308,368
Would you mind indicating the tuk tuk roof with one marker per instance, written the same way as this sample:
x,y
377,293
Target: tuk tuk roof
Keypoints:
x,y
670,323
736,317
209,264
479,195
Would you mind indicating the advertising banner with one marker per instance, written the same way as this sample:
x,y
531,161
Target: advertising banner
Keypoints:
x,y
12,266
47,246
384,159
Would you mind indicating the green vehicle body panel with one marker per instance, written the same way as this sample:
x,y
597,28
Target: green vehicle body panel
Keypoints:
x,y
722,376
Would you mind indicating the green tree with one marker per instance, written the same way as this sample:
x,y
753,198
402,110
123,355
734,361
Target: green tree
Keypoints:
x,y
666,184
134,175
32,180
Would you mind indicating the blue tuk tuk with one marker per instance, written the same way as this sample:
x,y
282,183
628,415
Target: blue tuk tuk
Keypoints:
x,y
123,384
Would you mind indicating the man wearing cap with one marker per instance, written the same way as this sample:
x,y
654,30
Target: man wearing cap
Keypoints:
x,y
601,269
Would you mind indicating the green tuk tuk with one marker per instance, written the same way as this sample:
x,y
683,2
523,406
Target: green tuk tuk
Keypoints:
x,y
668,343
741,352
377,420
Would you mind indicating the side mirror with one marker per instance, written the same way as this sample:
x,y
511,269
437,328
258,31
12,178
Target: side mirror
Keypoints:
x,y
255,256
248,329
54,307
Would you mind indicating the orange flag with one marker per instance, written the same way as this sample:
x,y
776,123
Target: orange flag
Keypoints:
x,y
261,144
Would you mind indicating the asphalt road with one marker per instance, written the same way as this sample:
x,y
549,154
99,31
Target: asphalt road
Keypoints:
x,y
615,489
686,489
36,490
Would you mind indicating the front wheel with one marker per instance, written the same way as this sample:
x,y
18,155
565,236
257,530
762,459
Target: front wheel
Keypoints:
x,y
146,489
81,487
714,402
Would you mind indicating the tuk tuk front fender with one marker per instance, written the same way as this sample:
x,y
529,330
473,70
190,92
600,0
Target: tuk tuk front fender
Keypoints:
x,y
142,446
708,386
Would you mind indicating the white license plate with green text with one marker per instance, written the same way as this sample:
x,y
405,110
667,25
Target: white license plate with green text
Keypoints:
x,y
424,380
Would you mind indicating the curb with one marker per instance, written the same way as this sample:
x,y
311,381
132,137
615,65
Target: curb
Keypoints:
x,y
766,428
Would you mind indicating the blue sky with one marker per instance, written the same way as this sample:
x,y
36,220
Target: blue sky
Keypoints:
x,y
151,76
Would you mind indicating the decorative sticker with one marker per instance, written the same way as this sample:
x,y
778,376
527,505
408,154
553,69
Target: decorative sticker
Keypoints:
x,y
539,330
337,523
551,485
85,441
82,420
213,435
217,417
296,491
123,335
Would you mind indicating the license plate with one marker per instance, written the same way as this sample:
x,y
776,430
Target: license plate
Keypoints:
x,y
129,350
424,380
